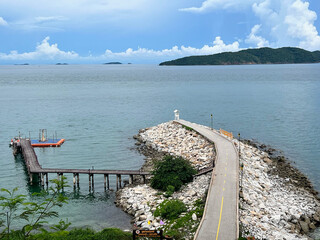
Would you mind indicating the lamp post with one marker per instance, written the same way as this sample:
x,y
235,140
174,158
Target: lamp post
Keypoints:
x,y
211,121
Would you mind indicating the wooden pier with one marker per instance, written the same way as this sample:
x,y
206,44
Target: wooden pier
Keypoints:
x,y
34,168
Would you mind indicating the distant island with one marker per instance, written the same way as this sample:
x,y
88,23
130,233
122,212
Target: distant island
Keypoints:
x,y
21,64
283,55
61,63
113,63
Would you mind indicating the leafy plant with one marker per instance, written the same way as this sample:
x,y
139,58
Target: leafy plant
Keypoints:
x,y
10,205
170,209
35,214
170,191
174,171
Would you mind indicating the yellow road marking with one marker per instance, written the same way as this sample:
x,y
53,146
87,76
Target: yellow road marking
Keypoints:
x,y
219,219
222,189
225,169
225,174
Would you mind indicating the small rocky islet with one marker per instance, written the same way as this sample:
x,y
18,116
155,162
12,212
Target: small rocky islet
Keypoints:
x,y
272,205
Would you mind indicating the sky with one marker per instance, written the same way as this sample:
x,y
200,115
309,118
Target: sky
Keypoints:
x,y
150,31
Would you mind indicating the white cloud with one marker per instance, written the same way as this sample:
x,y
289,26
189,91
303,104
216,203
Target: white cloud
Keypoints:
x,y
289,22
43,51
218,46
253,38
283,23
220,4
49,19
3,22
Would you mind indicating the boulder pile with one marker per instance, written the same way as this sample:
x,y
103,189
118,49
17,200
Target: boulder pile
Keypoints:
x,y
273,207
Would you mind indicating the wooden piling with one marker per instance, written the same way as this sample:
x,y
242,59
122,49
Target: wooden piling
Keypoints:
x,y
144,178
42,179
105,181
47,179
130,179
92,178
120,181
74,180
117,181
89,182
31,180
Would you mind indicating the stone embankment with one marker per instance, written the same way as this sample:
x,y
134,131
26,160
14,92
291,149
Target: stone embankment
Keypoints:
x,y
272,205
167,139
276,201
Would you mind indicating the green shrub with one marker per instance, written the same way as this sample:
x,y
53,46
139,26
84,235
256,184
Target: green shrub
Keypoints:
x,y
170,191
170,209
174,171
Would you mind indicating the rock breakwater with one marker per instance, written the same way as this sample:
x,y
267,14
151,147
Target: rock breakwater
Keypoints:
x,y
274,206
168,139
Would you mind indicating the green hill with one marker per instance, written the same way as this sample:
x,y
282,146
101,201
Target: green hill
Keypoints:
x,y
251,56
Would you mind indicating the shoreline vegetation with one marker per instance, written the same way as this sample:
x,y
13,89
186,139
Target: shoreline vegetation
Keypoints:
x,y
285,55
276,200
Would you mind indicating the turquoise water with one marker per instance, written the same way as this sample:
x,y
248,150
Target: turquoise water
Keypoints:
x,y
98,108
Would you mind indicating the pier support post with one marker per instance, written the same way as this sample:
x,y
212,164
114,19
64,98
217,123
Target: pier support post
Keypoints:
x,y
117,181
120,181
47,179
61,179
58,176
42,179
131,179
89,182
74,180
144,178
31,178
92,178
105,182
78,180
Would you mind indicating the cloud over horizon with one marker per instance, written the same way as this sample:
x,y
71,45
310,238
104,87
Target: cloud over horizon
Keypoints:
x,y
282,23
51,52
43,51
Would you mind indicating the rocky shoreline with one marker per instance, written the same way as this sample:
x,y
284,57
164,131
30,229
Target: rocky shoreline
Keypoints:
x,y
276,200
141,200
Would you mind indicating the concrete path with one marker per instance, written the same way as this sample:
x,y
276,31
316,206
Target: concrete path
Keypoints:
x,y
220,220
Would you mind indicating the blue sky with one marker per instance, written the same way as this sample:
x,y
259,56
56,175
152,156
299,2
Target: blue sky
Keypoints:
x,y
150,31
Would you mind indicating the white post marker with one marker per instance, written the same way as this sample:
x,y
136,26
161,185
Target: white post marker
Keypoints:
x,y
176,114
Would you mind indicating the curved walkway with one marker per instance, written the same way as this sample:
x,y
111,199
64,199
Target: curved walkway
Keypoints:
x,y
220,219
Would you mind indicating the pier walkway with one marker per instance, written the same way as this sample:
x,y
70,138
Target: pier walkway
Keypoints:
x,y
33,167
220,219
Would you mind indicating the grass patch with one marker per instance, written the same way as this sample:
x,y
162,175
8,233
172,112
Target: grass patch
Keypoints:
x,y
180,228
187,128
170,209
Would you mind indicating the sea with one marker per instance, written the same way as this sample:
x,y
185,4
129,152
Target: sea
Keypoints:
x,y
98,109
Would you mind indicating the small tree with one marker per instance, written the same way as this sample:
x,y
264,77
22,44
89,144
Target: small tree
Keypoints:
x,y
174,171
34,213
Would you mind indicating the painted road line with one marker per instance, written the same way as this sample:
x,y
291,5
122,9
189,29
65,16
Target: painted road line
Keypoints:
x,y
219,219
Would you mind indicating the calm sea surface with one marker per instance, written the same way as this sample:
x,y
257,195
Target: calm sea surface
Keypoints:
x,y
98,108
